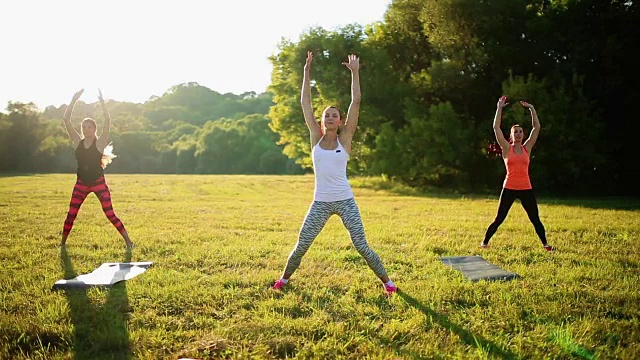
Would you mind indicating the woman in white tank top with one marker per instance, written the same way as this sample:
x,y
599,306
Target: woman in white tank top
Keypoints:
x,y
332,195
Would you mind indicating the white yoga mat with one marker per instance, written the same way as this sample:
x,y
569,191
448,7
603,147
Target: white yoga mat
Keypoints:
x,y
106,275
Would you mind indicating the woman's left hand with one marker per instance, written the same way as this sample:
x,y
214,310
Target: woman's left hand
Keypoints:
x,y
353,64
526,104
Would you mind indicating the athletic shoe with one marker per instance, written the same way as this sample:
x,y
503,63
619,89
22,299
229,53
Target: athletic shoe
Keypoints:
x,y
390,289
278,285
549,248
484,246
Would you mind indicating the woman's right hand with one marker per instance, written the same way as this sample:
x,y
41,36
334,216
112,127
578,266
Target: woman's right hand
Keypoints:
x,y
502,102
307,64
73,134
101,99
77,95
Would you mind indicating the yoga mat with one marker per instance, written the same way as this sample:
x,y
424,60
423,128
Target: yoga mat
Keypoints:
x,y
106,275
476,268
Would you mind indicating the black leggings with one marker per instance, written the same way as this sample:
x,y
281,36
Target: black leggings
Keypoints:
x,y
528,201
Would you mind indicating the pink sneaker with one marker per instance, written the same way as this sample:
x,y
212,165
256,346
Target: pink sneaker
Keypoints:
x,y
390,289
278,285
484,246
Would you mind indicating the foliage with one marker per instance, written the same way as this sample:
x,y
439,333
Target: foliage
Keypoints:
x,y
159,136
429,145
23,132
569,152
572,59
431,73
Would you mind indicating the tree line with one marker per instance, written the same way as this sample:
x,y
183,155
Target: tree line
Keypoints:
x,y
431,74
191,129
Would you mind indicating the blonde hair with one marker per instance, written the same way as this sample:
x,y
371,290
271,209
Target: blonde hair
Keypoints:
x,y
107,155
511,140
321,122
88,120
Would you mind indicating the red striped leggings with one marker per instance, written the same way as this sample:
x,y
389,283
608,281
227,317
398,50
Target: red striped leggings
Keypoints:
x,y
80,192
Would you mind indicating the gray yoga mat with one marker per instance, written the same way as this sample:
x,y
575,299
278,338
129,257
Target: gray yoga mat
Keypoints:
x,y
106,275
476,268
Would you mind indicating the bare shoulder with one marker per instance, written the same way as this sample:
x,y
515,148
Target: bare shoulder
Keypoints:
x,y
504,146
346,141
314,139
528,148
101,143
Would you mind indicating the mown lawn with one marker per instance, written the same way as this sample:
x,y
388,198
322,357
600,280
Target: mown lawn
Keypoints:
x,y
218,243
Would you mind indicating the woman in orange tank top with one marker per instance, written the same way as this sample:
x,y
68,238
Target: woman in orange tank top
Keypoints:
x,y
517,184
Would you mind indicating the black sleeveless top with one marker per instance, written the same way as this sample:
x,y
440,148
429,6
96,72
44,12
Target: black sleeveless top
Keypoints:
x,y
89,162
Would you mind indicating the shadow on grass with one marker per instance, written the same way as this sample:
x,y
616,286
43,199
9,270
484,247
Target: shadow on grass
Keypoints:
x,y
610,203
99,330
595,202
569,345
30,174
482,344
397,188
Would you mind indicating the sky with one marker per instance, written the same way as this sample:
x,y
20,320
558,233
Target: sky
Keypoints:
x,y
135,49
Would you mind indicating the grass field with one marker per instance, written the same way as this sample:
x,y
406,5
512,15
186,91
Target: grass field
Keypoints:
x,y
218,243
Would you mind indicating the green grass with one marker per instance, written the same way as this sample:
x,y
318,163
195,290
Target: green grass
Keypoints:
x,y
218,242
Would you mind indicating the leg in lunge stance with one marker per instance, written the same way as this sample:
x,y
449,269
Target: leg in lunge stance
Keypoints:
x,y
103,194
330,153
350,215
317,216
79,194
517,183
530,205
93,154
507,197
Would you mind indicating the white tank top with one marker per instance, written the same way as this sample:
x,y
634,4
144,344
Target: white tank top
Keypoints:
x,y
330,168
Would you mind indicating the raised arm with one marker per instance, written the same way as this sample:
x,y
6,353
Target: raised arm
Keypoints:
x,y
351,123
103,140
504,144
535,127
315,133
73,134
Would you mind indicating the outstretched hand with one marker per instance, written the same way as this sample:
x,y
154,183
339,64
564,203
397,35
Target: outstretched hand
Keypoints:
x,y
502,102
100,96
103,105
353,64
307,64
526,104
77,95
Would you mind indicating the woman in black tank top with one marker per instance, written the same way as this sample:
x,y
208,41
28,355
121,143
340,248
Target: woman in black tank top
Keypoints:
x,y
93,155
89,161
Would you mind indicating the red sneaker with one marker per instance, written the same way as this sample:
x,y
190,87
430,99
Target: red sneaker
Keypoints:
x,y
549,248
390,289
278,285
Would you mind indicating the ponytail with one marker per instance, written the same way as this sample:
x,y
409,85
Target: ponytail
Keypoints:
x,y
494,150
107,155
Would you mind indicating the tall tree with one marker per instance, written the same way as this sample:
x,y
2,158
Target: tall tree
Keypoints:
x,y
22,133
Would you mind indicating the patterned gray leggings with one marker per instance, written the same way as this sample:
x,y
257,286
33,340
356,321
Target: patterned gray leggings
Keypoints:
x,y
317,216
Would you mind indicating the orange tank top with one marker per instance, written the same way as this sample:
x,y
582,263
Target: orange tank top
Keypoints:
x,y
517,170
